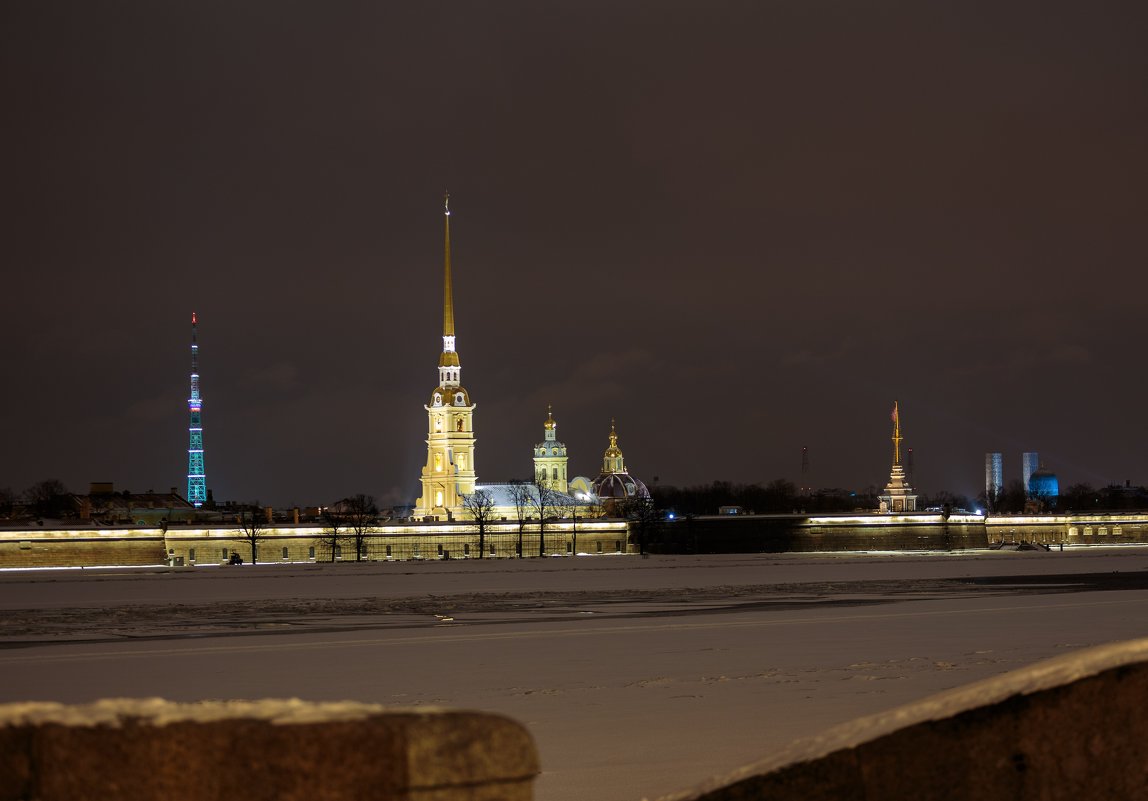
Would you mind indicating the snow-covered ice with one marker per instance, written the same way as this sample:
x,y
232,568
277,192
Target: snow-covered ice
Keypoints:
x,y
636,676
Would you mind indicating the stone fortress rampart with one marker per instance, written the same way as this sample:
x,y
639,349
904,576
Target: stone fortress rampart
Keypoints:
x,y
185,546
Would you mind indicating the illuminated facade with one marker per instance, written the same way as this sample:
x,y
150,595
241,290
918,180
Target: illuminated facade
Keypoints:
x,y
196,477
550,457
449,470
898,495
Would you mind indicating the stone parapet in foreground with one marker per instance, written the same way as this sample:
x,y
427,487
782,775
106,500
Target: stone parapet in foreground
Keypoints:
x,y
1074,727
155,750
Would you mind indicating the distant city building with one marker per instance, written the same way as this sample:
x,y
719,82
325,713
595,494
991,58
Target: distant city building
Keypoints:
x,y
550,457
104,506
1029,464
994,475
449,471
898,495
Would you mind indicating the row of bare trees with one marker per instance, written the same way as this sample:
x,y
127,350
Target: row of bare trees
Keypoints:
x,y
47,498
348,523
530,501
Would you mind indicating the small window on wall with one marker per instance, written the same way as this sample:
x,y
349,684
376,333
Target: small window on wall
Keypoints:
x,y
492,550
617,546
458,401
284,553
311,552
223,553
338,551
466,548
388,550
440,549
191,555
599,547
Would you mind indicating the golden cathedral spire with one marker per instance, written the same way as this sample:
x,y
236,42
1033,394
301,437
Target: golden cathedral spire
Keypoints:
x,y
896,434
448,363
448,292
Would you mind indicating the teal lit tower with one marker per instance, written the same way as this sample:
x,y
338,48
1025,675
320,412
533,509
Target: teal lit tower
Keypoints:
x,y
196,479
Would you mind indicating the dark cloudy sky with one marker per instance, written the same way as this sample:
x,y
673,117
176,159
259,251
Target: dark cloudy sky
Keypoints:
x,y
737,227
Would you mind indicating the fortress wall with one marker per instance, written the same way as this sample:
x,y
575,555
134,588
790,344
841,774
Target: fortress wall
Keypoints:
x,y
1099,529
802,533
400,542
90,547
81,547
870,532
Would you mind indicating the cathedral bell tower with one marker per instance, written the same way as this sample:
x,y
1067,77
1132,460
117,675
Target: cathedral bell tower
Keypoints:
x,y
449,471
550,457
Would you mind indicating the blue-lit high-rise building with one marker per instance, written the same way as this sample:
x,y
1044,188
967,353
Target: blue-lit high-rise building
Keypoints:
x,y
196,479
1029,464
994,475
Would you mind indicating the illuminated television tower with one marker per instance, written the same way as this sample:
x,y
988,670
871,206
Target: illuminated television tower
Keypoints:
x,y
196,480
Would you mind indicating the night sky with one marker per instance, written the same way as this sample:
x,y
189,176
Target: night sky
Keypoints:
x,y
740,228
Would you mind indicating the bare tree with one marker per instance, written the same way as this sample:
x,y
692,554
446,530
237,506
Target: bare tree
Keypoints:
x,y
480,505
47,498
542,501
331,539
361,514
7,502
520,496
574,528
644,518
252,528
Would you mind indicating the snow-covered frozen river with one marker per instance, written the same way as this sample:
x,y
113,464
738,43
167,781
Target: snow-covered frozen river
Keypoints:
x,y
636,676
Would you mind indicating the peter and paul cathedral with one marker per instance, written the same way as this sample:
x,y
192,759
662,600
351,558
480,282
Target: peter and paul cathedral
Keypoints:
x,y
449,471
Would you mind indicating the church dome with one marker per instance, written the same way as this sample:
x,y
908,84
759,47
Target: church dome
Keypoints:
x,y
1043,483
619,486
614,483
